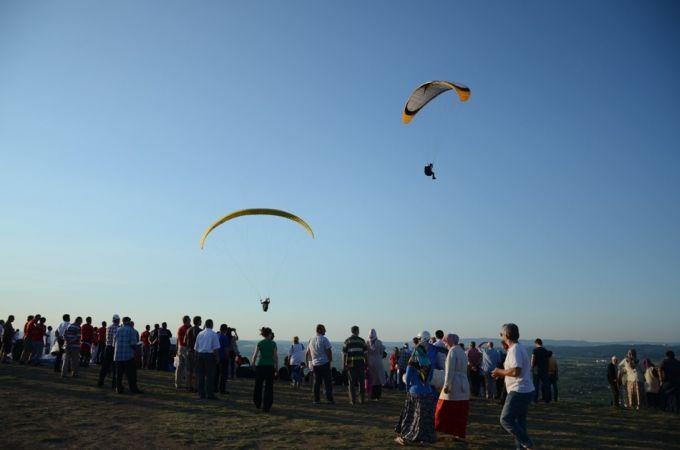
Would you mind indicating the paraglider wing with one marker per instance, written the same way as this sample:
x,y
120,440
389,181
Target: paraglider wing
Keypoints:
x,y
427,92
255,212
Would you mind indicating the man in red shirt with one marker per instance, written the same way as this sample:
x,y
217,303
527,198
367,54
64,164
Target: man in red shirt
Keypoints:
x,y
146,346
87,336
182,353
26,341
101,342
36,335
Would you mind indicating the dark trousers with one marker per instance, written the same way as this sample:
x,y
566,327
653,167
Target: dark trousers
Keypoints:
x,y
231,368
129,370
614,386
475,381
58,356
356,375
221,379
264,375
162,358
542,385
206,375
146,350
552,387
107,366
153,360
322,374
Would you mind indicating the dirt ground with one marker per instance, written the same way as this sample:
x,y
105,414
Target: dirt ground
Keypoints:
x,y
40,409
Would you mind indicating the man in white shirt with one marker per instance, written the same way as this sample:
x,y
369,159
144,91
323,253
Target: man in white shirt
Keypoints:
x,y
517,373
59,335
320,353
296,356
207,348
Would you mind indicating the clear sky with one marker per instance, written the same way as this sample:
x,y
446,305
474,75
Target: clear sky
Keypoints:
x,y
127,127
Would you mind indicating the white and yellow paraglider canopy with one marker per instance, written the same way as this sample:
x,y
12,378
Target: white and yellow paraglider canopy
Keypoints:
x,y
426,92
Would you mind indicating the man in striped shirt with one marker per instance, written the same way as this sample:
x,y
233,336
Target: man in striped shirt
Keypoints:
x,y
71,348
354,361
107,361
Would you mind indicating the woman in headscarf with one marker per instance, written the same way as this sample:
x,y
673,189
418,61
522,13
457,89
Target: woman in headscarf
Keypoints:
x,y
376,371
416,423
453,407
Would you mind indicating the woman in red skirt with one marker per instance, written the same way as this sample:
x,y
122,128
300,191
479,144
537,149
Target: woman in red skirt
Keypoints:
x,y
453,407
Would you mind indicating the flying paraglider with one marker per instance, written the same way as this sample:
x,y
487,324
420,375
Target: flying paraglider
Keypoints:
x,y
251,212
256,212
423,95
429,171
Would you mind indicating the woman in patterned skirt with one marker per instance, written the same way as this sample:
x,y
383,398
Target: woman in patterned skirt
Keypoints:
x,y
416,424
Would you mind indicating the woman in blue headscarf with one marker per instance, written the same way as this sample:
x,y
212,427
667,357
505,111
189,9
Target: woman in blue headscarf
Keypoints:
x,y
416,423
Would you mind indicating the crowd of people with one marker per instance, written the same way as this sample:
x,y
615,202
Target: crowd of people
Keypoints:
x,y
438,374
636,384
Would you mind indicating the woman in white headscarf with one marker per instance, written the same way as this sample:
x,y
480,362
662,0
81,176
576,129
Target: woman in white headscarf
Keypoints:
x,y
453,408
375,368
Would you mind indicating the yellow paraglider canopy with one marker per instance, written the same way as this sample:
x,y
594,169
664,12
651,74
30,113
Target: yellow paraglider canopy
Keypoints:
x,y
255,212
427,92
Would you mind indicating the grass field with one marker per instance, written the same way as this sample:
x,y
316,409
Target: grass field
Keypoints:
x,y
40,409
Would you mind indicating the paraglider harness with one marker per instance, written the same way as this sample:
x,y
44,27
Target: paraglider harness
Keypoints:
x,y
265,304
429,172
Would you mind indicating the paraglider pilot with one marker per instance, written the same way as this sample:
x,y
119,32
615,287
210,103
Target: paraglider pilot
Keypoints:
x,y
265,304
429,171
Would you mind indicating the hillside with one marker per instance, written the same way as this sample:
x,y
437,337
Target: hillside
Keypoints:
x,y
43,410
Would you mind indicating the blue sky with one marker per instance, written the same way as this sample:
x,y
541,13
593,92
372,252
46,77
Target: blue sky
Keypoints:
x,y
126,128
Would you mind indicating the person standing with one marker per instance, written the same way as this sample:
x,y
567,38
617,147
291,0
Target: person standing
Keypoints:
x,y
87,333
266,360
59,336
192,358
374,359
146,346
25,340
442,351
101,339
453,407
296,358
207,347
233,351
669,375
164,336
320,354
517,373
539,363
632,369
416,421
182,353
7,339
490,361
402,365
223,364
124,344
36,334
652,384
474,357
72,344
553,377
394,357
153,341
107,361
354,352
613,379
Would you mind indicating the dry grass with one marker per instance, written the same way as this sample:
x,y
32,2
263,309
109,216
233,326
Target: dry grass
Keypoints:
x,y
40,409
